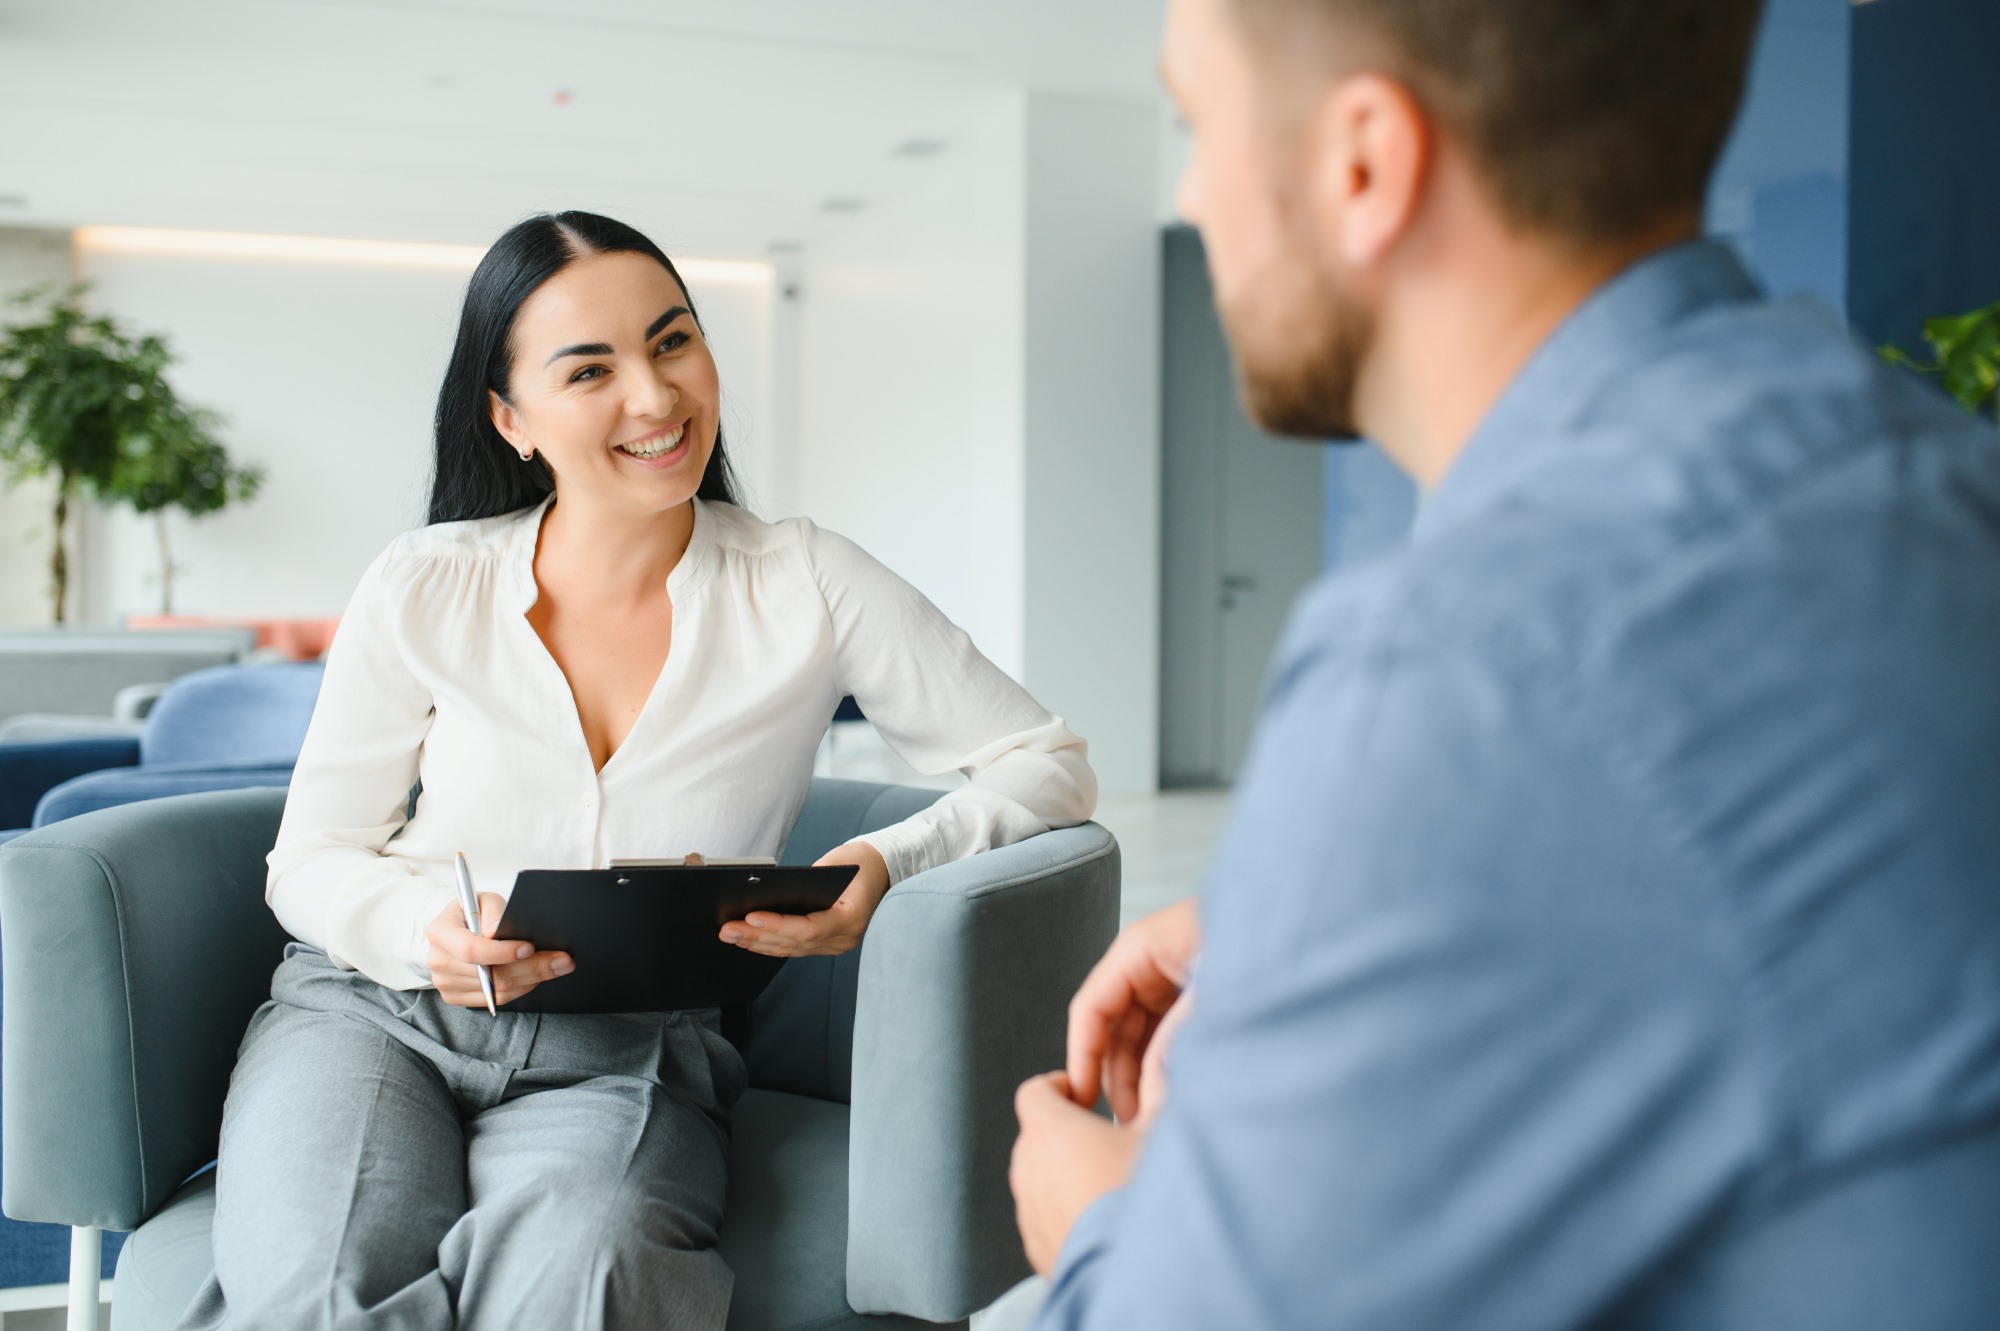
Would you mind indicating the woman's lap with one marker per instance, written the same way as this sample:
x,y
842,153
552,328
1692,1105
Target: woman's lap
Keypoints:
x,y
609,1188
389,1160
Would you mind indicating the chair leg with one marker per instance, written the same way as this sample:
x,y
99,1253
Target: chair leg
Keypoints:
x,y
86,1261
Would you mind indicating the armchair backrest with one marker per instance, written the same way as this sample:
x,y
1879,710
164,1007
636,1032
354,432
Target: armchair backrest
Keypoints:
x,y
239,714
799,1034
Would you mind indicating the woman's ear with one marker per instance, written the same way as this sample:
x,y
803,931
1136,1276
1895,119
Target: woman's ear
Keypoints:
x,y
508,422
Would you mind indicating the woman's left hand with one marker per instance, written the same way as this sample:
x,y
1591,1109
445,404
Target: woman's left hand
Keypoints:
x,y
823,933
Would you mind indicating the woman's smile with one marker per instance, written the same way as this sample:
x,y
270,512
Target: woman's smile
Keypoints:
x,y
662,448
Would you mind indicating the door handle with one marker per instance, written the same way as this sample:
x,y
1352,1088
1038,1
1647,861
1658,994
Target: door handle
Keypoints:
x,y
1232,583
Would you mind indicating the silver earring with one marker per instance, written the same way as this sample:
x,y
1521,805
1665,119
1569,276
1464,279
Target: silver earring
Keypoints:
x,y
528,456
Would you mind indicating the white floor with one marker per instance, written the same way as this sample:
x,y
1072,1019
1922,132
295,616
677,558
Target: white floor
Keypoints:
x,y
1165,842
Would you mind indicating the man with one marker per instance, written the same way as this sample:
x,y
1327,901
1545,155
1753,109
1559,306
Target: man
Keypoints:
x,y
1608,930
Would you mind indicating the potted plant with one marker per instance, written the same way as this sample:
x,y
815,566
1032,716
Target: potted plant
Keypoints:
x,y
1966,357
87,403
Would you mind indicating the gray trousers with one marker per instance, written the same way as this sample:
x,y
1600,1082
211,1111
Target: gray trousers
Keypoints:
x,y
389,1161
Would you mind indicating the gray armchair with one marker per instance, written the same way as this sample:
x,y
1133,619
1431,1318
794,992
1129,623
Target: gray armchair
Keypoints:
x,y
869,1158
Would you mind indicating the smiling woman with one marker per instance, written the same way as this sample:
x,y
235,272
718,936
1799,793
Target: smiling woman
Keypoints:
x,y
480,471
591,653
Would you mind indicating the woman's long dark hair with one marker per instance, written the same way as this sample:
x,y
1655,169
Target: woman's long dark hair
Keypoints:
x,y
477,473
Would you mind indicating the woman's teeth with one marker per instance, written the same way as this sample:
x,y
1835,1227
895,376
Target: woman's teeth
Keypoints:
x,y
653,448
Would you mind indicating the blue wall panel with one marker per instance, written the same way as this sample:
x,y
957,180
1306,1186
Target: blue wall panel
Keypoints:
x,y
1924,181
1779,193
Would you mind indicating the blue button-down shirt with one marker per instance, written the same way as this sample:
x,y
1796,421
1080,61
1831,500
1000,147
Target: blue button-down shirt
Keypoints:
x,y
1607,934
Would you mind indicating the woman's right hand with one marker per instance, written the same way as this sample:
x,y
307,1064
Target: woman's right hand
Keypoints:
x,y
456,953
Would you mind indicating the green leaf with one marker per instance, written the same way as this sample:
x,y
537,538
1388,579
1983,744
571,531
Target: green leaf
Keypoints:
x,y
82,398
1967,357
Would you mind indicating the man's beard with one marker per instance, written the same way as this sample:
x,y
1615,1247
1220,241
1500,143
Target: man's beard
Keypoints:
x,y
1297,374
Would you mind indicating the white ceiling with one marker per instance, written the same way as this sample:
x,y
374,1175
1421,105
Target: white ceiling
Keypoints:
x,y
719,125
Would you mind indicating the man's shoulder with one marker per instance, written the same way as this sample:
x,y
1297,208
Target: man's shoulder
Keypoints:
x,y
1750,487
1767,611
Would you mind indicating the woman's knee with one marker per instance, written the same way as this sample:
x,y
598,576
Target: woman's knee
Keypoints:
x,y
622,1218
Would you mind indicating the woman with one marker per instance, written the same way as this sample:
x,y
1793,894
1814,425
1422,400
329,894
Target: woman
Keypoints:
x,y
590,654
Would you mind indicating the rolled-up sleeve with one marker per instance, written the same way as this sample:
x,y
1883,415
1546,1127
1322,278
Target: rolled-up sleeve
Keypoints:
x,y
943,707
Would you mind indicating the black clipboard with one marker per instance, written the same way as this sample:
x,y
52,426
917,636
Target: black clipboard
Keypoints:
x,y
644,939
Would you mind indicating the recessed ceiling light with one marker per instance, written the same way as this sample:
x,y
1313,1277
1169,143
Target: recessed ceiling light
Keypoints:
x,y
917,150
841,203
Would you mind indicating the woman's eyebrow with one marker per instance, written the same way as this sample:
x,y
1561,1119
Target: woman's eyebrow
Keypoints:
x,y
580,349
604,348
665,319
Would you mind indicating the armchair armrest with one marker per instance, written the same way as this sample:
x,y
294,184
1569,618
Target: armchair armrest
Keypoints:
x,y
151,781
964,994
134,949
29,769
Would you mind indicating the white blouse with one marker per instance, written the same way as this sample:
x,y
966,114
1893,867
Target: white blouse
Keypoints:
x,y
436,675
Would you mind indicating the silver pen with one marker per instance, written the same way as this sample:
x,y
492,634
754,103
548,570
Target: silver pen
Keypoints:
x,y
468,901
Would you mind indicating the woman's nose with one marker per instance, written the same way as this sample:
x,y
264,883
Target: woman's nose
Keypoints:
x,y
652,395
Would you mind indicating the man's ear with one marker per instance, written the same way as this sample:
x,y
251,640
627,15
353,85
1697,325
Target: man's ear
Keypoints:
x,y
508,422
1369,147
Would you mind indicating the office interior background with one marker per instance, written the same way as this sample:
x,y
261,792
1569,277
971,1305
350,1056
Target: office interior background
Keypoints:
x,y
934,247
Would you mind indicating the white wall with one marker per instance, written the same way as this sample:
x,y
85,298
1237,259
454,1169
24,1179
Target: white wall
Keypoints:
x,y
28,259
328,373
910,384
979,386
1093,426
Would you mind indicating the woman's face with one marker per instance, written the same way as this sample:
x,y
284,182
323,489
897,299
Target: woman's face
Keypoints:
x,y
613,383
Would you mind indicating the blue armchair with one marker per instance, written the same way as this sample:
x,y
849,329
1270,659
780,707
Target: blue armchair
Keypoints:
x,y
220,728
217,729
869,1160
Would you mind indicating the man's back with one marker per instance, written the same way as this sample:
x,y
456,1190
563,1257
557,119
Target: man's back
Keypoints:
x,y
1609,932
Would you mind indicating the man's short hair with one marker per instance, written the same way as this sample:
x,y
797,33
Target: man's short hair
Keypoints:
x,y
1591,120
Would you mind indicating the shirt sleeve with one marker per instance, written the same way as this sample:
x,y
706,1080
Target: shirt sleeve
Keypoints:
x,y
942,706
1463,1056
330,885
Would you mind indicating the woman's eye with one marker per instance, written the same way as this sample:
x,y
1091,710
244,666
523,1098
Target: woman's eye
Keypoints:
x,y
673,342
587,373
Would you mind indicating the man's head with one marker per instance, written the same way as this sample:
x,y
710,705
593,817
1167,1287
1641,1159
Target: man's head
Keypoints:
x,y
1346,150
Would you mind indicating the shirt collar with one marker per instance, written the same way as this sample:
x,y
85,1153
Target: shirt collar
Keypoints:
x,y
1603,337
687,577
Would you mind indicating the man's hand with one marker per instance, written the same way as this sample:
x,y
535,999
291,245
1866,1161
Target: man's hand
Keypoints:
x,y
1065,1158
1114,1016
823,933
456,953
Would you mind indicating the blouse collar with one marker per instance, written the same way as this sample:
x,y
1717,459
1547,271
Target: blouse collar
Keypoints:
x,y
697,562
